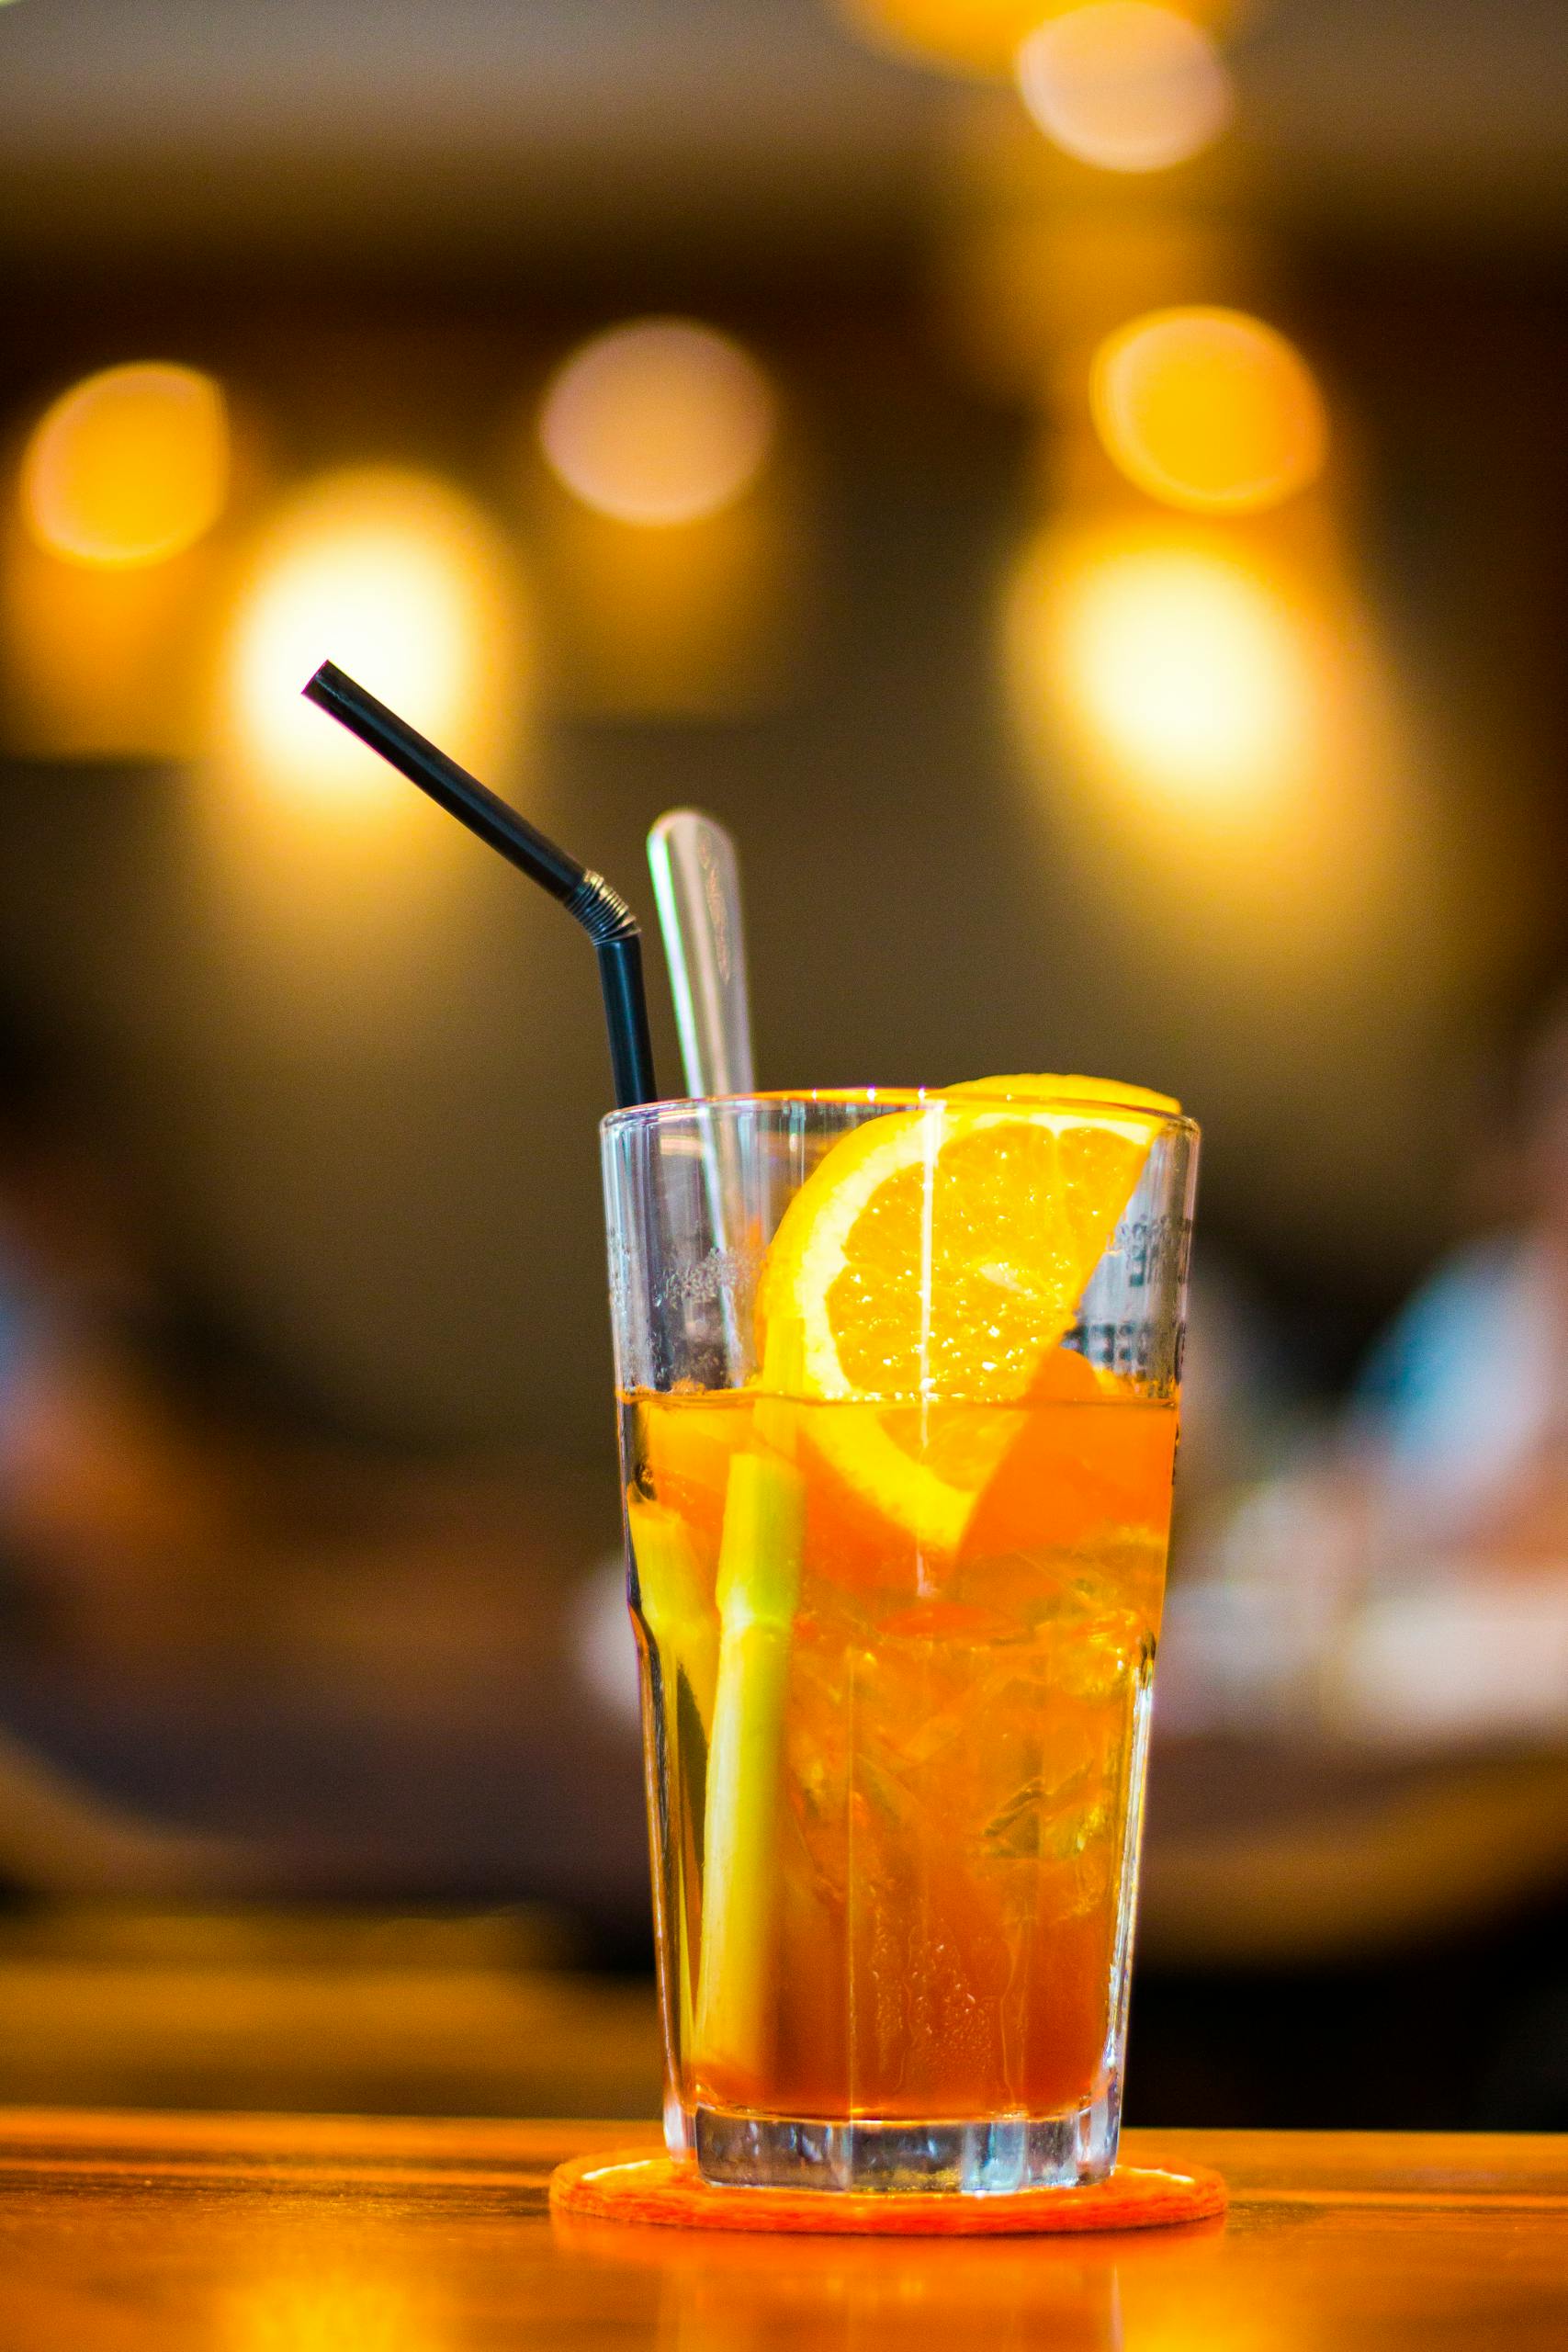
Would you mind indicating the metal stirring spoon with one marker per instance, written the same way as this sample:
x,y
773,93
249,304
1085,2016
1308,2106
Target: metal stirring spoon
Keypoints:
x,y
696,887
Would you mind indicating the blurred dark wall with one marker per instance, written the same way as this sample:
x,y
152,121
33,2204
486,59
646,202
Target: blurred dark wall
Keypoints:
x,y
379,1163
372,1160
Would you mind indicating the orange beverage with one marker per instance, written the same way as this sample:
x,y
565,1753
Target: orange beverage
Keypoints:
x,y
951,1823
898,1380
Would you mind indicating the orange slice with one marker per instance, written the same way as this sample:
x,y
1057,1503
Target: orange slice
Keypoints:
x,y
940,1255
1109,1092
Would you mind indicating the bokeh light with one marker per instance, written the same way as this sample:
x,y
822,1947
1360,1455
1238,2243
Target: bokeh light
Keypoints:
x,y
1125,85
973,37
1188,670
1215,748
401,579
129,467
1208,409
1175,668
660,422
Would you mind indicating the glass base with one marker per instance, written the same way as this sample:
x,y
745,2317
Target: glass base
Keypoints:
x,y
991,2159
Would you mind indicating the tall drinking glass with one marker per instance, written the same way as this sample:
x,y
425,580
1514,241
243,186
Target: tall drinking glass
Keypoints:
x,y
899,1378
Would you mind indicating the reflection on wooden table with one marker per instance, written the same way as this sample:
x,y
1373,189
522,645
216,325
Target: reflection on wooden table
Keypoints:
x,y
253,2234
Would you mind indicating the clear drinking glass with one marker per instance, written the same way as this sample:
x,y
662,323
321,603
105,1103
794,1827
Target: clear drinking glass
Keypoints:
x,y
899,1378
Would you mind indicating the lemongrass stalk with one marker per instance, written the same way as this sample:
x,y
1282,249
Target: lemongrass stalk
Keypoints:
x,y
758,1587
677,1607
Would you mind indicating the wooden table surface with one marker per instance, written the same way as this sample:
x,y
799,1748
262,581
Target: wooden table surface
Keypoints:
x,y
122,2231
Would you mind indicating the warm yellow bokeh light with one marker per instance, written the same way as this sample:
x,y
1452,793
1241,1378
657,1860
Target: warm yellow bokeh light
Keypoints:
x,y
1188,672
1175,669
1209,409
1125,85
660,422
402,580
1215,748
976,37
129,467
972,36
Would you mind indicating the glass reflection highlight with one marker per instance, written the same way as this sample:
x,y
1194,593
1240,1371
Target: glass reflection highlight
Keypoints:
x,y
740,2294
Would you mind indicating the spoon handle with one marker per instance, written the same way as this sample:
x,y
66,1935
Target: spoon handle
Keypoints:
x,y
696,887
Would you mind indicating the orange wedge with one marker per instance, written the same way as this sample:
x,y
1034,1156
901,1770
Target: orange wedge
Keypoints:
x,y
941,1254
1109,1092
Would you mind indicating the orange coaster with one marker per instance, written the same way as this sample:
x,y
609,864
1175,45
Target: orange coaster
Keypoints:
x,y
636,2184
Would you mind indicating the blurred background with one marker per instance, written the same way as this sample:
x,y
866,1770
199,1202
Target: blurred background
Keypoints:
x,y
1081,491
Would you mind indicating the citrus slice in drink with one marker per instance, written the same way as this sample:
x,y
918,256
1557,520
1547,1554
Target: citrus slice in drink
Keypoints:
x,y
941,1253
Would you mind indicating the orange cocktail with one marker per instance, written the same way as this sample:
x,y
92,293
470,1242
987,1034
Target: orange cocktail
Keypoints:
x,y
951,1827
898,1496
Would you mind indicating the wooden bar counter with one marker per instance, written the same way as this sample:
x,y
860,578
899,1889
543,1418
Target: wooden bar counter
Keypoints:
x,y
121,2231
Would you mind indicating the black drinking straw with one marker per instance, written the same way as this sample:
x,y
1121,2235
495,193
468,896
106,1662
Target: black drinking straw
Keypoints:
x,y
586,895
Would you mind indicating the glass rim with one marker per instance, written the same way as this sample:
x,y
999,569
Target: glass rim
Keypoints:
x,y
890,1098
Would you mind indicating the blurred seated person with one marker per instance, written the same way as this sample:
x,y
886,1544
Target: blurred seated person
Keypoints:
x,y
1406,1576
1460,1421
